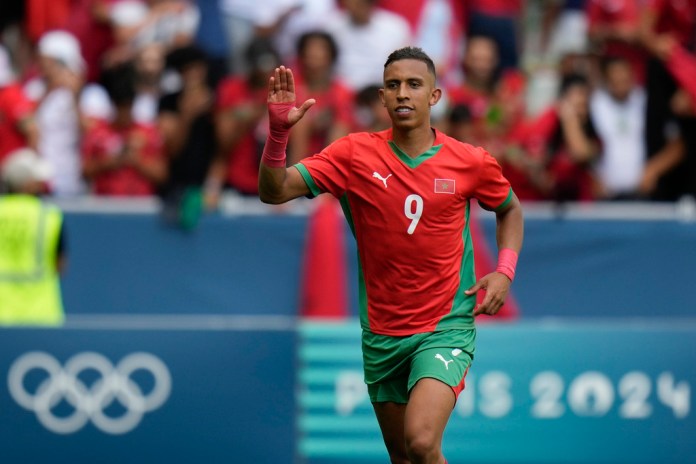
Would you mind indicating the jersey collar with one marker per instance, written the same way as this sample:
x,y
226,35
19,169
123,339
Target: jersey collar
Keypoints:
x,y
418,160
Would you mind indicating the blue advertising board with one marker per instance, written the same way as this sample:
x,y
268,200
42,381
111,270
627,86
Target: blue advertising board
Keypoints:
x,y
572,393
136,264
147,395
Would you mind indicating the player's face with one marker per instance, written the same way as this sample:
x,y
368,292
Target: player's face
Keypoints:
x,y
409,92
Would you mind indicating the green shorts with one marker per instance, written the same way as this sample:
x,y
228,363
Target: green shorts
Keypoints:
x,y
393,365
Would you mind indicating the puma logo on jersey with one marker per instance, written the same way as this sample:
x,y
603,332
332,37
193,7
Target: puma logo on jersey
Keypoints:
x,y
376,175
439,356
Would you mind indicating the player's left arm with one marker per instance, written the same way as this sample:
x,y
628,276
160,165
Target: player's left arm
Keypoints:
x,y
509,237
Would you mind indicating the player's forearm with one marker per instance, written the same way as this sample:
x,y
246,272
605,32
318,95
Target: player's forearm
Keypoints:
x,y
271,184
278,185
510,227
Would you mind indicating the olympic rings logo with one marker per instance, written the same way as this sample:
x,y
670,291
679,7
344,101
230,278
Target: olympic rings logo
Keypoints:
x,y
89,402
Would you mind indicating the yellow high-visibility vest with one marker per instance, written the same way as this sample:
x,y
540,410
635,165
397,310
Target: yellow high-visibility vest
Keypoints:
x,y
29,281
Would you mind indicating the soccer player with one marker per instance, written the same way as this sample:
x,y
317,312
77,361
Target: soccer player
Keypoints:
x,y
405,192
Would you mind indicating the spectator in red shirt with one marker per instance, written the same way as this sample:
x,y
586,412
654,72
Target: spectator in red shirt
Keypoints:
x,y
555,152
123,157
17,126
240,126
495,97
614,30
332,115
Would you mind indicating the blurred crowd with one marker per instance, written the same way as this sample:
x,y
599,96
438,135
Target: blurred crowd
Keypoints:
x,y
579,100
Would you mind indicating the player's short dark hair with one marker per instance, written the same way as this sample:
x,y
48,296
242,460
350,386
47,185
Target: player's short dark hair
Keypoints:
x,y
321,35
411,53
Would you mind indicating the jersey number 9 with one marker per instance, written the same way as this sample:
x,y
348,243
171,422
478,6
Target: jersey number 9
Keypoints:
x,y
413,209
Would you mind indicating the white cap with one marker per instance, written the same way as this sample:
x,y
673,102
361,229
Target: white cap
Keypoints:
x,y
95,103
23,166
6,72
128,13
64,47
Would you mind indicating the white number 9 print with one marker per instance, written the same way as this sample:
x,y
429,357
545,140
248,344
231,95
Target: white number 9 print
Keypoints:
x,y
413,215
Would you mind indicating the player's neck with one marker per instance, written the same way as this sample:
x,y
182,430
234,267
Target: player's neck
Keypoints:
x,y
414,142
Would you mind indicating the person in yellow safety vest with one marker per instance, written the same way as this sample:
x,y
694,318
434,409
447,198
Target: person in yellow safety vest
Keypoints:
x,y
32,251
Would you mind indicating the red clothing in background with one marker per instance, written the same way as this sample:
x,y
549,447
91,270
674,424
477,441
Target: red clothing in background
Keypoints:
x,y
618,14
45,15
105,140
334,106
509,8
94,34
682,65
234,94
14,107
676,17
495,114
568,176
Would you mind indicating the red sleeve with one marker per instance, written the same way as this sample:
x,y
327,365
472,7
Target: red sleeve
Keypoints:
x,y
329,170
18,104
493,191
682,65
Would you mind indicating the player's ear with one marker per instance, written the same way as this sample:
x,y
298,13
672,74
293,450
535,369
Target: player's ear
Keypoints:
x,y
435,96
381,97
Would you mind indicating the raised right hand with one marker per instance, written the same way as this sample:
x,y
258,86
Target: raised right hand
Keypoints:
x,y
281,99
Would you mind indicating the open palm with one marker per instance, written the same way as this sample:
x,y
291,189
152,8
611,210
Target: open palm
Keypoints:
x,y
281,90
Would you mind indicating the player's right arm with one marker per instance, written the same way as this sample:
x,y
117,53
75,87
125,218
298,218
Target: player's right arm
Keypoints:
x,y
277,183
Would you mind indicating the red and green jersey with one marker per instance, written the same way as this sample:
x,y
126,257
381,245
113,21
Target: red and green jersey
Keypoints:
x,y
410,217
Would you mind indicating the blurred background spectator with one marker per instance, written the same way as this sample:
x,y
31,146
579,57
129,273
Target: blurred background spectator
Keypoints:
x,y
186,126
56,92
618,114
664,22
330,117
240,124
366,34
500,20
199,69
494,95
123,157
437,26
17,125
370,113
